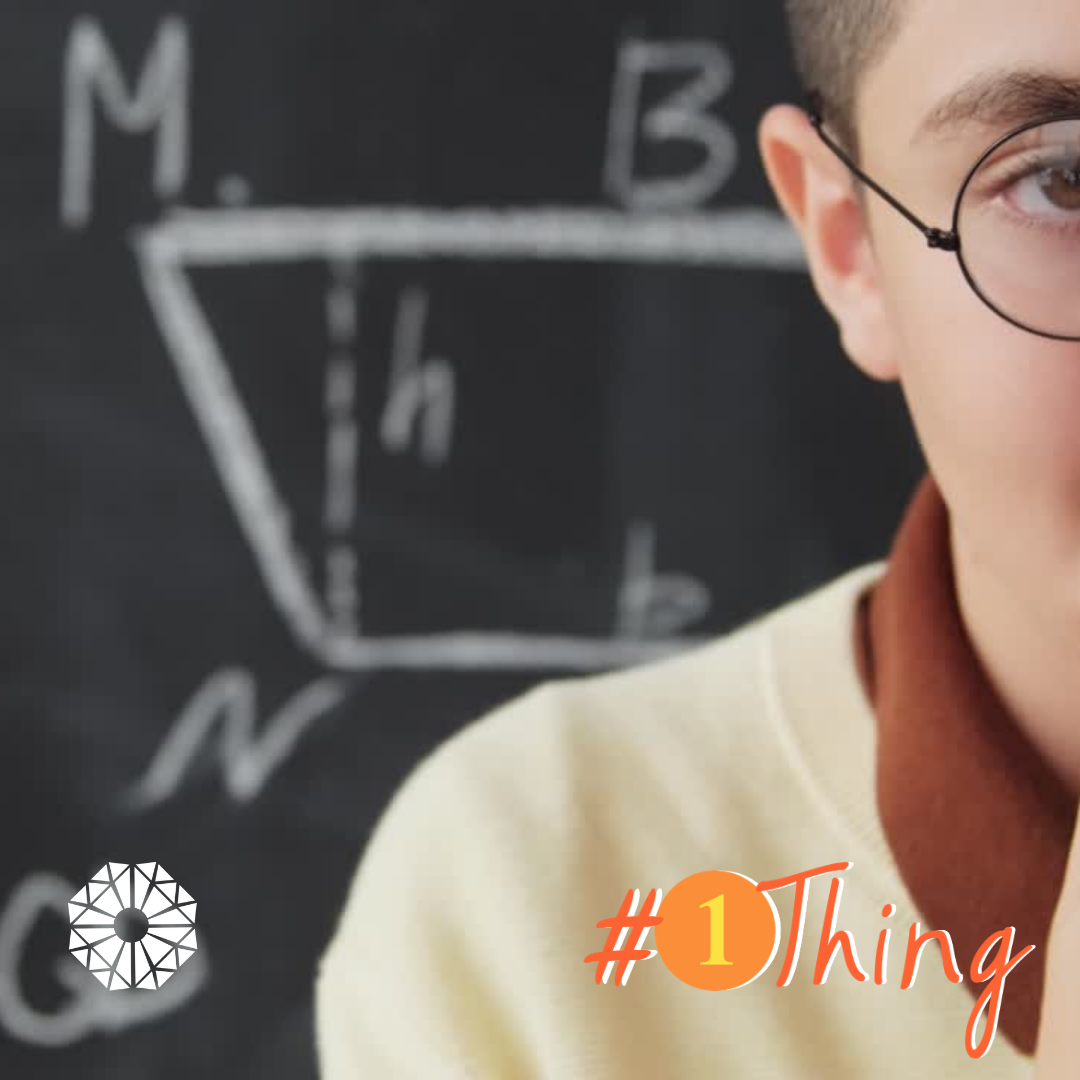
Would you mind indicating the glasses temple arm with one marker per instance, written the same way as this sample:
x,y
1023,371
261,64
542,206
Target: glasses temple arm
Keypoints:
x,y
936,238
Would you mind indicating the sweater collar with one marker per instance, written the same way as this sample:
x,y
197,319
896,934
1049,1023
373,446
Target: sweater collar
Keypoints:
x,y
978,826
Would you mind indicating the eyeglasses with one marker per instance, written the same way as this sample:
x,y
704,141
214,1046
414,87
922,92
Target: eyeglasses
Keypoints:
x,y
1015,225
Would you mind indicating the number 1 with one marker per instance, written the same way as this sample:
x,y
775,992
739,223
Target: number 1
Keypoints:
x,y
716,931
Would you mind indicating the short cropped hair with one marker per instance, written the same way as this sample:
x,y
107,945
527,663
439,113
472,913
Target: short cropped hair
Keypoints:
x,y
834,43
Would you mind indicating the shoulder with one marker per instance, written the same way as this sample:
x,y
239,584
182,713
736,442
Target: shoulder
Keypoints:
x,y
502,845
676,694
568,744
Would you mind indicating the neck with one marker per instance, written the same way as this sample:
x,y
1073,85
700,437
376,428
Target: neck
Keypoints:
x,y
1030,656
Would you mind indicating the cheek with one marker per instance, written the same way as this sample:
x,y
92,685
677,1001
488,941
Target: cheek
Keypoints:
x,y
997,409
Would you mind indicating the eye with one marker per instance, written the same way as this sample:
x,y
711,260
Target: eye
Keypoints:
x,y
1057,187
1044,186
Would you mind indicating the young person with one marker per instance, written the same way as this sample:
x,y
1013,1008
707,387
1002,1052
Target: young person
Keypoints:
x,y
914,717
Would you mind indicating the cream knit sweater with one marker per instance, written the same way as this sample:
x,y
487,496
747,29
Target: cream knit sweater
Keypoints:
x,y
460,950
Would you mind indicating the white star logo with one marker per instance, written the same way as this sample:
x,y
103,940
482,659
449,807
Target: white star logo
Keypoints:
x,y
132,925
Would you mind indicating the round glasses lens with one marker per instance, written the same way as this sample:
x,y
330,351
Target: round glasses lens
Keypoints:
x,y
1019,226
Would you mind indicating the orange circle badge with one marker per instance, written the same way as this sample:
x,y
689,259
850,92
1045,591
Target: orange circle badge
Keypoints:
x,y
719,931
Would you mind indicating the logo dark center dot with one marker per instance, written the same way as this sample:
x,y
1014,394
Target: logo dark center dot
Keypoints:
x,y
131,925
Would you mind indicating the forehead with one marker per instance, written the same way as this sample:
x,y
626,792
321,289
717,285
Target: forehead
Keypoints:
x,y
966,70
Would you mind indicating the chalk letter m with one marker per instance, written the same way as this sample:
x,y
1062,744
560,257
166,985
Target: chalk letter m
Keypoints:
x,y
160,101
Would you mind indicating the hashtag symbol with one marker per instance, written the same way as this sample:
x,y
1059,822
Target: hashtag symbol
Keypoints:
x,y
625,921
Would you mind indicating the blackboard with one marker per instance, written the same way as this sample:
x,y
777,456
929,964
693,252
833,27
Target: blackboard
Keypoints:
x,y
365,364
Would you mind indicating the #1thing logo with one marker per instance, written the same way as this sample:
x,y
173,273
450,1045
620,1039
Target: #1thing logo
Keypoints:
x,y
132,925
694,941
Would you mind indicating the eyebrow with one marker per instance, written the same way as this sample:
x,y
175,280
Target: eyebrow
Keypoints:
x,y
1002,98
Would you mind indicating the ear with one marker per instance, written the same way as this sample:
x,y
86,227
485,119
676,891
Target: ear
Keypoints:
x,y
816,191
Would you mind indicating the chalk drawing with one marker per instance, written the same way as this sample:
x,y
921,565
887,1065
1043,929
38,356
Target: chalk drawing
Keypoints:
x,y
681,116
420,390
225,707
753,237
186,240
161,101
342,449
234,191
652,605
